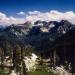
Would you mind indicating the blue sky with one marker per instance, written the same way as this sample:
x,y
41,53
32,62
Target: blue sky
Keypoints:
x,y
20,11
14,6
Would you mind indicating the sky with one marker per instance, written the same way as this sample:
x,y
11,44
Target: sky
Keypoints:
x,y
19,10
13,6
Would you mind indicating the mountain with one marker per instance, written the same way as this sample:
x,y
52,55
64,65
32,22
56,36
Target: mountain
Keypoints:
x,y
42,38
65,49
39,35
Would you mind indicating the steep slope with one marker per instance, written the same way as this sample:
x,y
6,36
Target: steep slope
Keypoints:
x,y
39,36
65,49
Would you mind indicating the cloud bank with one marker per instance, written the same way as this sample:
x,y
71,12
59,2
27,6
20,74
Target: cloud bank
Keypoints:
x,y
33,16
21,13
52,15
8,20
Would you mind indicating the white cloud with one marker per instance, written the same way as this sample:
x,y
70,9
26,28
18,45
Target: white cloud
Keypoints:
x,y
47,16
34,12
7,20
53,15
33,16
13,20
21,13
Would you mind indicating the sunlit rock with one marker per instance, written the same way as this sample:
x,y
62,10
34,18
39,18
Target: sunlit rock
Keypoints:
x,y
13,73
60,71
31,62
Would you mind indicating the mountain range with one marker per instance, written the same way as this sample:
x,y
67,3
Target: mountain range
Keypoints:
x,y
39,35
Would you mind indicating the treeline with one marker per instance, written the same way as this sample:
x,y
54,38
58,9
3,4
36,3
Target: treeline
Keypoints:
x,y
16,52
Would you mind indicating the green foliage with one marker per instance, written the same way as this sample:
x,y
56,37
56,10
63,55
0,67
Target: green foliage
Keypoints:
x,y
2,72
41,73
41,70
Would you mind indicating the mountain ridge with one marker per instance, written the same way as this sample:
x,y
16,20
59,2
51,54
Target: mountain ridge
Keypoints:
x,y
38,36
